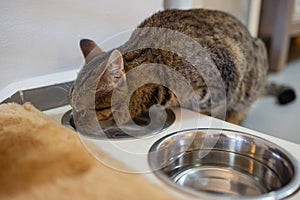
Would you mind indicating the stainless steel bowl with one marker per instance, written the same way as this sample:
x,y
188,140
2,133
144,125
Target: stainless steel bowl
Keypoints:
x,y
225,164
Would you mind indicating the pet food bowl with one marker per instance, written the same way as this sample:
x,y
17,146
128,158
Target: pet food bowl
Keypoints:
x,y
224,164
114,132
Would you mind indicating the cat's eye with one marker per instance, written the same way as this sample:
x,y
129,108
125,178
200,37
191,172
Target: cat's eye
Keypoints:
x,y
103,108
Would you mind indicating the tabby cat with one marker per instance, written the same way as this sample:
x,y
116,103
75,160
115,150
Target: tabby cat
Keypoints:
x,y
168,40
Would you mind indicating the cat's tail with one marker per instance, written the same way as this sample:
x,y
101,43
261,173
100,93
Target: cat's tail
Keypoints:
x,y
284,93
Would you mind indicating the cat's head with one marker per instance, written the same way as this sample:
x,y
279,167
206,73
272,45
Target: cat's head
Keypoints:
x,y
95,83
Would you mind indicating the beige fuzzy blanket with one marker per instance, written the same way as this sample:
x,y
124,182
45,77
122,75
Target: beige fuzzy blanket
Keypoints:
x,y
40,159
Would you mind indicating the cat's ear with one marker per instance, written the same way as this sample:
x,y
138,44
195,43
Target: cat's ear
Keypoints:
x,y
115,66
89,49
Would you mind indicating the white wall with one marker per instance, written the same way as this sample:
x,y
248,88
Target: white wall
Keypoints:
x,y
239,8
41,37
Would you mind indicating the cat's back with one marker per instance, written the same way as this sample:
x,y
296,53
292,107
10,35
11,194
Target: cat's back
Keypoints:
x,y
240,58
197,23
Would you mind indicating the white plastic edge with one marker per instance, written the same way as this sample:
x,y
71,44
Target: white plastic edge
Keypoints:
x,y
36,82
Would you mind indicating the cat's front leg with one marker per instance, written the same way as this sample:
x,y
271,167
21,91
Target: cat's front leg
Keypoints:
x,y
235,117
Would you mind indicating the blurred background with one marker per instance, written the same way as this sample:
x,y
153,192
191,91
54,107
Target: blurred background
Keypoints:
x,y
40,38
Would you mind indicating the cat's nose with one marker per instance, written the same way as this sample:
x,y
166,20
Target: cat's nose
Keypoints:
x,y
79,115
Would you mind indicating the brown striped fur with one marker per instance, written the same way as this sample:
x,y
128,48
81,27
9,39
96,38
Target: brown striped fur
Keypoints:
x,y
240,59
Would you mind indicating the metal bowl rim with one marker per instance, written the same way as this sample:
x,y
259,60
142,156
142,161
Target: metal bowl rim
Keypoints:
x,y
67,116
283,192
